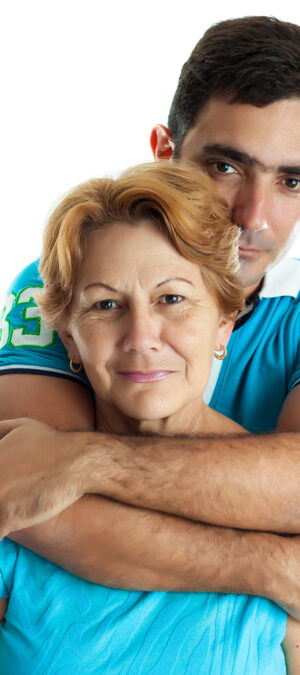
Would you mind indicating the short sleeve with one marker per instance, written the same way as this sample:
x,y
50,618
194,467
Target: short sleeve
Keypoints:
x,y
27,344
294,380
8,558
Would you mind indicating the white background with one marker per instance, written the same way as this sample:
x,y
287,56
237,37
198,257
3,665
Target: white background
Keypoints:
x,y
82,84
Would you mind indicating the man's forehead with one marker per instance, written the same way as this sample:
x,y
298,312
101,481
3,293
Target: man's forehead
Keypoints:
x,y
266,137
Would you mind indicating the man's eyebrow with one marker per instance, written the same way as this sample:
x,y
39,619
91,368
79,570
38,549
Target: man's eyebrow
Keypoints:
x,y
231,153
290,170
242,157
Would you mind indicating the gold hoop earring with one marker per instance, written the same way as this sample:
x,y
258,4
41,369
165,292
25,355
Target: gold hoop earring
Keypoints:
x,y
75,367
220,353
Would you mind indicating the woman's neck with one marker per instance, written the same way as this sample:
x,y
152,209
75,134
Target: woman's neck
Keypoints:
x,y
193,419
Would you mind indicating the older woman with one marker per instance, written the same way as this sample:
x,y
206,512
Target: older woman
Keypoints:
x,y
139,277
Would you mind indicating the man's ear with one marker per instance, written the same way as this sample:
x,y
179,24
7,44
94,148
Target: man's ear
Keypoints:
x,y
70,346
225,329
161,142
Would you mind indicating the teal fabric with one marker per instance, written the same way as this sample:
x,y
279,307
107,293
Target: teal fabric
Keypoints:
x,y
262,365
58,624
26,343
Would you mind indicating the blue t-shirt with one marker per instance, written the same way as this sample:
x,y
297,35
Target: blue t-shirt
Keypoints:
x,y
58,624
263,355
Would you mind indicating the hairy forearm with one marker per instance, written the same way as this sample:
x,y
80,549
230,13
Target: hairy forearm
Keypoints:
x,y
122,546
244,481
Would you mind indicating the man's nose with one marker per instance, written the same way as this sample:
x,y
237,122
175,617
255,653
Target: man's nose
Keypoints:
x,y
142,331
251,205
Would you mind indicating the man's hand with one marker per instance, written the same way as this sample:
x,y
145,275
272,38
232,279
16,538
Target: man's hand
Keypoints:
x,y
39,473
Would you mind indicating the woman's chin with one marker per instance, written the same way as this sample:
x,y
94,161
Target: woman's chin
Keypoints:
x,y
149,412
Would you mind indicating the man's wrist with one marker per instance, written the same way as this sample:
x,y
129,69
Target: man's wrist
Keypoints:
x,y
272,569
100,458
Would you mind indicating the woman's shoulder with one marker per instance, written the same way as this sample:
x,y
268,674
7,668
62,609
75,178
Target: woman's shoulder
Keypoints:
x,y
220,424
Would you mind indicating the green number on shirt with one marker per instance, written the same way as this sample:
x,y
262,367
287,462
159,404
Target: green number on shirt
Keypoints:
x,y
42,336
4,323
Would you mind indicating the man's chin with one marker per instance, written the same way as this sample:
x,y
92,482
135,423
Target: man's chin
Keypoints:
x,y
250,275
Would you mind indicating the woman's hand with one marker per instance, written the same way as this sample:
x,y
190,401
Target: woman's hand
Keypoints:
x,y
291,646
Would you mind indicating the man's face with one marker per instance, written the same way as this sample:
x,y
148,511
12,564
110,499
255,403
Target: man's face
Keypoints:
x,y
253,156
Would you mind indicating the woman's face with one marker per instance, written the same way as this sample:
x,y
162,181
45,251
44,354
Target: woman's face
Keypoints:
x,y
143,323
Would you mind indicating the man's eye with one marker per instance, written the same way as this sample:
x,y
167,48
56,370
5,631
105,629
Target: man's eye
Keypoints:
x,y
170,299
292,183
105,305
219,167
224,167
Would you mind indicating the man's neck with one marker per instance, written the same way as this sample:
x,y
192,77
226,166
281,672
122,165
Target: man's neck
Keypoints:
x,y
251,291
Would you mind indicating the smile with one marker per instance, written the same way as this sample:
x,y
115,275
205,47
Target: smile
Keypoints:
x,y
145,376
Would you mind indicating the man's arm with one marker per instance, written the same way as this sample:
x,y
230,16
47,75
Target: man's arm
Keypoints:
x,y
33,437
249,482
240,481
60,402
3,608
139,549
289,418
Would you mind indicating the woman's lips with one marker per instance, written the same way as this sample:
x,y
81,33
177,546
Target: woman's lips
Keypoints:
x,y
145,375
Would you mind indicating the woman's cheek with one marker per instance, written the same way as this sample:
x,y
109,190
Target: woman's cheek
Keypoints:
x,y
93,342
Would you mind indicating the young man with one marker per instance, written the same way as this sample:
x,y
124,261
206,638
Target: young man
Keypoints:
x,y
236,112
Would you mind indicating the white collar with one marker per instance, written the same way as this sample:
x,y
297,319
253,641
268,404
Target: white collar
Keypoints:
x,y
282,279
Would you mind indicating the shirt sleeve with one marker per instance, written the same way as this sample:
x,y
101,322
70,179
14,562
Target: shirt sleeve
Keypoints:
x,y
8,558
27,344
294,380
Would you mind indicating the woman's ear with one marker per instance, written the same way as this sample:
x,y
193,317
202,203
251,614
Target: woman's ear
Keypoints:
x,y
161,142
225,329
70,346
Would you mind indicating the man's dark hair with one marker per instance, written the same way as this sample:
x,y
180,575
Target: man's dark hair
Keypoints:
x,y
255,59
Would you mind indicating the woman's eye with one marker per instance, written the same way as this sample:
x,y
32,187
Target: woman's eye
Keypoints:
x,y
292,183
105,305
170,299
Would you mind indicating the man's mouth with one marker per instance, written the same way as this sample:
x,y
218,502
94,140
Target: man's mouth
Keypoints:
x,y
247,252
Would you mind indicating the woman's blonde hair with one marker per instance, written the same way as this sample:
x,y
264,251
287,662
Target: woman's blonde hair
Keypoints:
x,y
180,199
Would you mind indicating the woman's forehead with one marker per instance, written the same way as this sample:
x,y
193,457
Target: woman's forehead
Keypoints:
x,y
123,251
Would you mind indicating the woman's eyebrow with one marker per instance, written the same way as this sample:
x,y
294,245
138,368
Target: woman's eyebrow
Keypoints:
x,y
249,160
111,288
100,283
187,281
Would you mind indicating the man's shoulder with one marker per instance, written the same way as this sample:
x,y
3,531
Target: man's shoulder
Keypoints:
x,y
29,276
27,343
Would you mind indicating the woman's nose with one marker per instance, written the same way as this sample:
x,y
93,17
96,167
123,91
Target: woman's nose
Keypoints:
x,y
142,332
